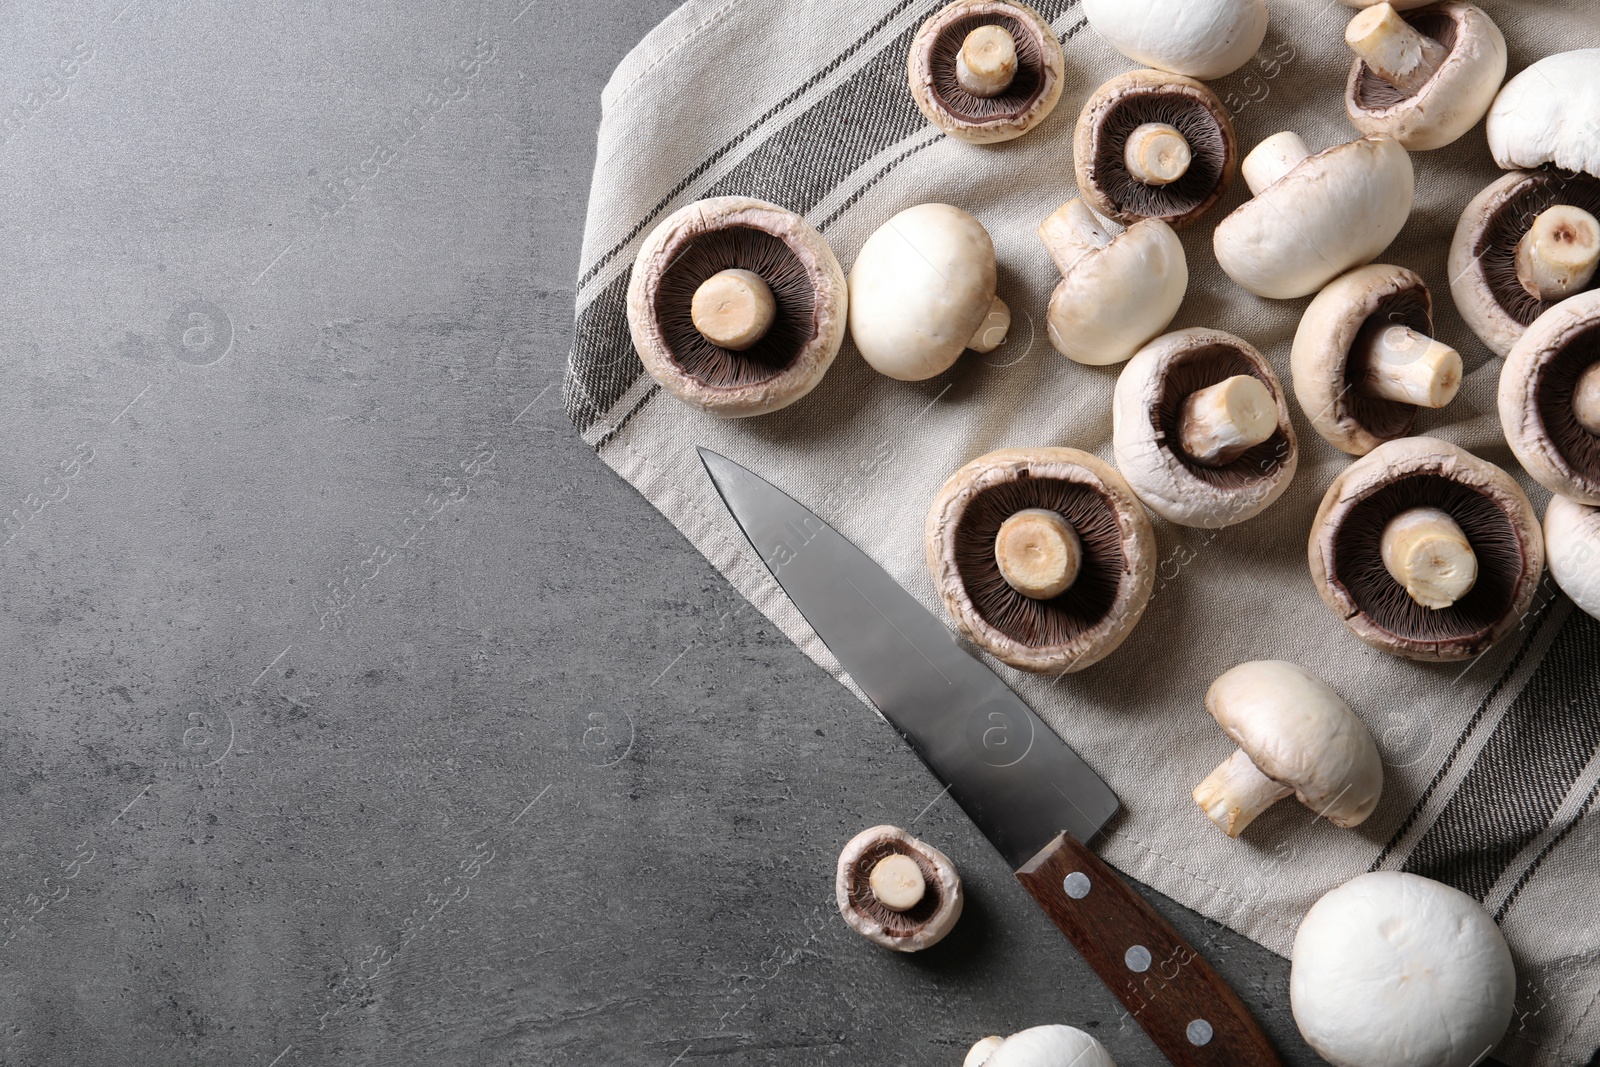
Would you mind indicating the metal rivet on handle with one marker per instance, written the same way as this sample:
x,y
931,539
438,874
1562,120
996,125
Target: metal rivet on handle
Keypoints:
x,y
1076,884
1199,1032
1137,958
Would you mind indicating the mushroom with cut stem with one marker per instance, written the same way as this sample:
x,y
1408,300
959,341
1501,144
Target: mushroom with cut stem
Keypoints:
x,y
1201,429
1295,737
737,306
986,71
1412,582
896,891
1550,399
1364,361
922,291
1042,556
1205,39
1152,145
1040,1046
1394,968
1572,545
1313,216
1115,293
1424,80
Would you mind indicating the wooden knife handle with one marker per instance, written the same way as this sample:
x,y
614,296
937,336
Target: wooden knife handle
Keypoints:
x,y
1191,1014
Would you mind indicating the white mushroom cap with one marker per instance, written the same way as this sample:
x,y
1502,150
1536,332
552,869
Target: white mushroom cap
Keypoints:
x,y
1550,113
1334,210
927,921
1400,970
1537,388
1041,1046
921,289
1572,545
1204,39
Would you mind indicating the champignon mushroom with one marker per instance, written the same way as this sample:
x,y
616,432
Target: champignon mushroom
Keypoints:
x,y
1152,145
1572,545
737,306
986,70
1364,362
1205,39
922,291
1398,5
1394,603
1314,216
1523,245
1424,80
1040,1046
896,891
1395,968
1201,429
1550,114
1295,736
1092,525
1550,399
1116,293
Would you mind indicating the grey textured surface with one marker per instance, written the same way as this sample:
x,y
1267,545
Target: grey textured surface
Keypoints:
x,y
356,713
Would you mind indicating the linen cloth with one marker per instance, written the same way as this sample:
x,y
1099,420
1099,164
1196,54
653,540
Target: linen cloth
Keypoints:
x,y
1491,768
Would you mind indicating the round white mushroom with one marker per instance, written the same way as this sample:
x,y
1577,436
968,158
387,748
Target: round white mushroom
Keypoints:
x,y
1040,1046
1550,114
897,891
1572,545
1204,39
989,82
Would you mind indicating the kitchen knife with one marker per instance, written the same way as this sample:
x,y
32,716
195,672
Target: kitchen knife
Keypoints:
x,y
1029,793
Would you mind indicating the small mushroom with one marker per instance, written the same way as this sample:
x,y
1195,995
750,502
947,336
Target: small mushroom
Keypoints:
x,y
1116,293
1550,114
1295,737
736,306
1314,216
896,891
1424,80
1040,1046
1201,430
922,291
996,560
1382,558
1394,968
1364,361
1152,145
1572,545
1550,399
986,70
1205,39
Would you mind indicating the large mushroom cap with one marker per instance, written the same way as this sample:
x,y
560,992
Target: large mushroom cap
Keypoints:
x,y
1028,100
1538,386
1453,100
1550,113
1205,39
910,930
1097,612
1572,545
1042,1046
1397,969
736,233
1148,439
1484,501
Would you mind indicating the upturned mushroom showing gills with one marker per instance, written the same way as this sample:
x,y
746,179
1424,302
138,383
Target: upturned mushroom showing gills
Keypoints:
x,y
1205,39
1201,429
1296,737
1425,79
1116,292
1550,399
922,291
1040,1046
896,891
1364,361
1042,556
1425,551
737,306
1397,969
986,70
1314,216
1572,545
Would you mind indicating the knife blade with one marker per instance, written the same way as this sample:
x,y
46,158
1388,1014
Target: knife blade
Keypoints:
x,y
1029,793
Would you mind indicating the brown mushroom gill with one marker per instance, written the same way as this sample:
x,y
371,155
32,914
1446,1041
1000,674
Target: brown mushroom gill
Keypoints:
x,y
1358,560
743,248
1187,375
1016,99
1512,218
1041,623
1386,419
1372,93
1208,145
1554,387
895,923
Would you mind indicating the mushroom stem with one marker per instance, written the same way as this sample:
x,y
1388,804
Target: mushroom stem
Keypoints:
x,y
897,882
1071,231
1425,551
1586,400
1272,159
1393,49
1558,255
1236,792
733,309
992,334
987,63
1222,422
1408,367
1157,154
1039,553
